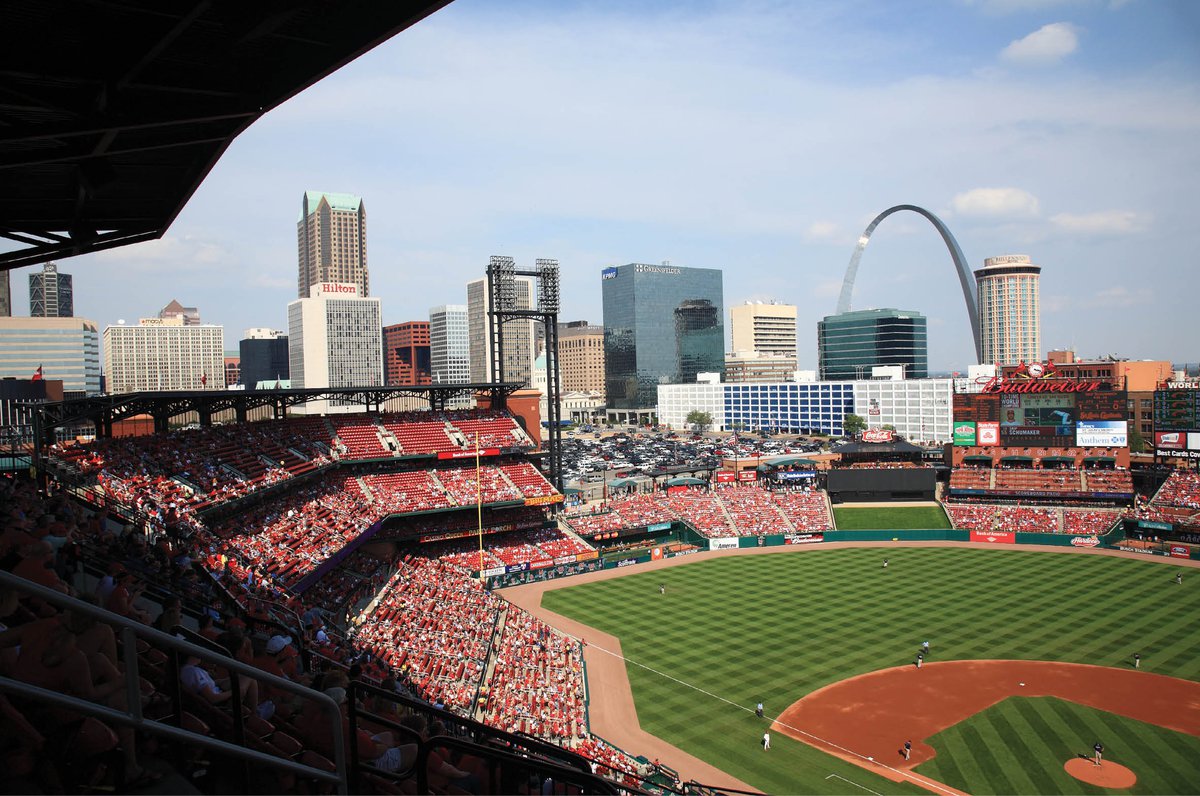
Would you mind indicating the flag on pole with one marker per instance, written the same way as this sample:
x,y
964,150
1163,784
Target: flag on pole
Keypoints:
x,y
37,374
203,379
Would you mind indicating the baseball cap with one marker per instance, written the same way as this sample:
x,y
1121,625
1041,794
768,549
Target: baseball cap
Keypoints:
x,y
277,643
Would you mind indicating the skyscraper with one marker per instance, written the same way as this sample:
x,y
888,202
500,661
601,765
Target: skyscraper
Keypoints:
x,y
64,348
1009,299
663,324
519,337
50,294
849,344
406,353
264,355
764,328
331,238
335,339
449,345
581,356
5,295
164,354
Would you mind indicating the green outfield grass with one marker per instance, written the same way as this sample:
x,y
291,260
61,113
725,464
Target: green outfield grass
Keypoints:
x,y
1043,733
897,517
733,630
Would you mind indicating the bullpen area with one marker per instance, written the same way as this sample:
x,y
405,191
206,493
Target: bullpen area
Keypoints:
x,y
788,629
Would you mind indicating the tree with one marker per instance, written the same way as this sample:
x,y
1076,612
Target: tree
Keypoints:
x,y
853,424
889,427
699,420
1137,443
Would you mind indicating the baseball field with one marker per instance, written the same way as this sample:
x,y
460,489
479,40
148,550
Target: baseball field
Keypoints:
x,y
733,630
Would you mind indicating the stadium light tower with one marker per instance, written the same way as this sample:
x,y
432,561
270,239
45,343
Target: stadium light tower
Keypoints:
x,y
503,308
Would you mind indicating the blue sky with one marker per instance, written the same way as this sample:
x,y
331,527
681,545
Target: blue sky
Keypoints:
x,y
756,137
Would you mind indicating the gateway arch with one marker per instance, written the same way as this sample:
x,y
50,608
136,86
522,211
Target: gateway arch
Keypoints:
x,y
965,277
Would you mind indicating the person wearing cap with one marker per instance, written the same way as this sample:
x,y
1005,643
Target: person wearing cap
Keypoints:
x,y
286,654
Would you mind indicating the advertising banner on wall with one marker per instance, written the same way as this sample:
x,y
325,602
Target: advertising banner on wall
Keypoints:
x,y
747,475
987,433
723,544
1170,440
1102,433
468,454
964,433
724,477
994,537
1179,551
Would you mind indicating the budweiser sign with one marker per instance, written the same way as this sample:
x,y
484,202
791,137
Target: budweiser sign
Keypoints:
x,y
995,385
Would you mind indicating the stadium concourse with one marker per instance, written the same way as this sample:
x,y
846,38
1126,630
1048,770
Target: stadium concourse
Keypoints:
x,y
344,554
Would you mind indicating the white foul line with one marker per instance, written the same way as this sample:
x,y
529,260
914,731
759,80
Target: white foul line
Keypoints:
x,y
927,783
852,782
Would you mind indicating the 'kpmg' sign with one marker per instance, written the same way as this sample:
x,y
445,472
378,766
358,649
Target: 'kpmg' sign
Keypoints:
x,y
608,273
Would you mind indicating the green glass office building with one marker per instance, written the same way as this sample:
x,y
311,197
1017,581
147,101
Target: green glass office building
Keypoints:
x,y
663,324
851,343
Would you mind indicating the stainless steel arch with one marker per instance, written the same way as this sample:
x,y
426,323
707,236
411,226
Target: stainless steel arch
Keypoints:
x,y
965,278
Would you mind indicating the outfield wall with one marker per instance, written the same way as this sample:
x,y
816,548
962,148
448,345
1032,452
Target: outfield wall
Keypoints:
x,y
1113,540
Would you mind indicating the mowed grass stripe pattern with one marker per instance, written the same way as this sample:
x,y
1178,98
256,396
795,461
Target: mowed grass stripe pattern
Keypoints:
x,y
899,518
1042,733
777,627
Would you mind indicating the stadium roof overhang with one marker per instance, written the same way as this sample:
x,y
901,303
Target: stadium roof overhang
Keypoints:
x,y
104,410
112,113
977,457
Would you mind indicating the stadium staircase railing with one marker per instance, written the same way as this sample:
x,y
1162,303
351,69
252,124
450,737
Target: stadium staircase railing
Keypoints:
x,y
129,633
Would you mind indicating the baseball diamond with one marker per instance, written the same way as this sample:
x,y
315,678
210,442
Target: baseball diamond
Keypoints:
x,y
738,628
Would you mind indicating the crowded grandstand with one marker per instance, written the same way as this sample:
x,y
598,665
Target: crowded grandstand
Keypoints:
x,y
357,554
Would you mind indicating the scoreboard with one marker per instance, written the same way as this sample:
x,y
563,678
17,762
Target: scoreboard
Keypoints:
x,y
1045,419
1176,410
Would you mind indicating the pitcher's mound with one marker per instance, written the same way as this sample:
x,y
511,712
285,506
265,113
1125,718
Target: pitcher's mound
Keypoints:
x,y
1107,775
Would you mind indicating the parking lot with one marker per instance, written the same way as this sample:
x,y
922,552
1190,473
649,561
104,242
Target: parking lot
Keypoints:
x,y
591,459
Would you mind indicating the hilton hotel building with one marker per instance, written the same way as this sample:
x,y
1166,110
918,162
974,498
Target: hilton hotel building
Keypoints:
x,y
335,339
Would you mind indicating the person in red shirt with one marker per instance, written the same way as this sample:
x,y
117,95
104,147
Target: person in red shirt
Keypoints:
x,y
37,565
121,601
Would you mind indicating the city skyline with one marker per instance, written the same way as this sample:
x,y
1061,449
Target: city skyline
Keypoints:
x,y
765,139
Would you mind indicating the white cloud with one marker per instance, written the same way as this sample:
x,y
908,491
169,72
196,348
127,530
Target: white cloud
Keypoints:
x,y
1046,45
821,230
1120,296
1105,222
995,203
173,251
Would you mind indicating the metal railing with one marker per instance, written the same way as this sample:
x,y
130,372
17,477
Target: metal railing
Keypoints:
x,y
129,631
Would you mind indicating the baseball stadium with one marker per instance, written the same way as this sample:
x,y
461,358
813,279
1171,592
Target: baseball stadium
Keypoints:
x,y
419,570
238,591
